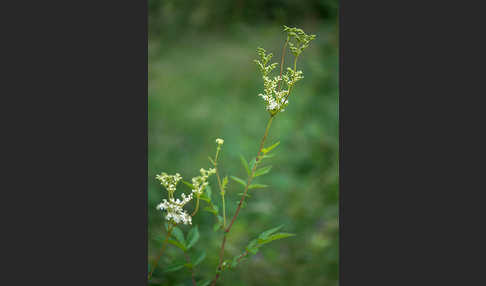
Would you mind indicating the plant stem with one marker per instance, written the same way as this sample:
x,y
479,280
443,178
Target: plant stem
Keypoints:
x,y
192,268
242,256
164,245
290,87
196,208
282,63
224,212
250,178
219,183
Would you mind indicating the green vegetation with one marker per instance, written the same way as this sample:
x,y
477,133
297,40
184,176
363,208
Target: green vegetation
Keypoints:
x,y
204,85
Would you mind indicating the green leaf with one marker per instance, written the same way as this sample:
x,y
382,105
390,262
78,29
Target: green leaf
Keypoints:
x,y
192,237
174,267
262,171
243,194
204,198
245,164
252,163
252,243
177,244
266,233
239,180
204,282
266,150
179,235
273,237
200,257
211,210
188,184
211,160
208,192
257,186
253,250
234,263
188,265
244,203
266,156
218,224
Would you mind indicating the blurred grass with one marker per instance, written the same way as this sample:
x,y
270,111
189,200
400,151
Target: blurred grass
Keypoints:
x,y
205,86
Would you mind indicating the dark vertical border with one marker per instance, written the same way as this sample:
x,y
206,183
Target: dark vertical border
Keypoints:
x,y
403,148
79,143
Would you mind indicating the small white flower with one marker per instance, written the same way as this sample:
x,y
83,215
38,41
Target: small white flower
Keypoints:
x,y
174,209
219,141
200,182
169,181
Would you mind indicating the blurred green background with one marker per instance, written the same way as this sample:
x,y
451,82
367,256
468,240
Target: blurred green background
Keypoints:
x,y
203,84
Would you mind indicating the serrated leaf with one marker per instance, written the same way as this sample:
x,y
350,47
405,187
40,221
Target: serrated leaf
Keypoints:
x,y
179,235
266,150
236,179
174,267
192,237
273,237
177,244
199,258
257,186
262,171
266,233
188,184
245,164
211,160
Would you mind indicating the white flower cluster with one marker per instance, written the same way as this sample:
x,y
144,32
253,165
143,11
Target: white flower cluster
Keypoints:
x,y
219,141
277,100
200,182
175,211
169,181
298,40
276,96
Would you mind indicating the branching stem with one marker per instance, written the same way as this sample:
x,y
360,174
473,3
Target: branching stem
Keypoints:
x,y
250,178
282,63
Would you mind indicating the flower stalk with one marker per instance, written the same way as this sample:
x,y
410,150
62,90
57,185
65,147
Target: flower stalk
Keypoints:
x,y
164,245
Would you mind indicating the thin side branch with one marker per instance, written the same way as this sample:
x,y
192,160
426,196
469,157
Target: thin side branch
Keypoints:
x,y
188,259
164,245
250,178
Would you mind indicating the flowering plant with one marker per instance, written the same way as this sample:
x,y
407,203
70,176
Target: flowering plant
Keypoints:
x,y
276,93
